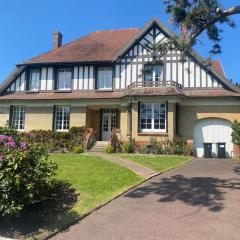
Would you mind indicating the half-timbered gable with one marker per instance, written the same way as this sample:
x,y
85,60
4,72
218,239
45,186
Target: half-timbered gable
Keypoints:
x,y
189,73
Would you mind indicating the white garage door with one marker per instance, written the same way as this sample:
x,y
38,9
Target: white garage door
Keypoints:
x,y
212,131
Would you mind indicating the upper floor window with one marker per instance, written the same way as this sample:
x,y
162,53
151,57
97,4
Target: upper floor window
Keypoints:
x,y
64,79
18,117
153,74
62,118
153,117
104,78
34,80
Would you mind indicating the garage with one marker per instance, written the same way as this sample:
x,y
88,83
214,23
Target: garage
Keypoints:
x,y
213,131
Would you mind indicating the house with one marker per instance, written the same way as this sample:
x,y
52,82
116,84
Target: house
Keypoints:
x,y
114,79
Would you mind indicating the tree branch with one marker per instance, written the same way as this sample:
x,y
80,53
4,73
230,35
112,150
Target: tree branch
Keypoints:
x,y
222,13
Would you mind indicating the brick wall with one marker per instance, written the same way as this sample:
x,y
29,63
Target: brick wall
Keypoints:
x,y
4,116
190,114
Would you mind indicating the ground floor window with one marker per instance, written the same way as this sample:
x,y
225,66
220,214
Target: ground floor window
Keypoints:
x,y
62,118
153,117
18,117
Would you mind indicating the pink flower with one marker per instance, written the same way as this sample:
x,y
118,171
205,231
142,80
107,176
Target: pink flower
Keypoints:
x,y
23,145
10,144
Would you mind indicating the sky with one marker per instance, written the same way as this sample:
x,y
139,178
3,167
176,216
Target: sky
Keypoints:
x,y
27,26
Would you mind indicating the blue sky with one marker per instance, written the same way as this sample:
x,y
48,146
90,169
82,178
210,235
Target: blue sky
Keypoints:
x,y
26,27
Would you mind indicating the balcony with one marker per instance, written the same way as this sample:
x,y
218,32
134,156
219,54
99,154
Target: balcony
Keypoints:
x,y
146,84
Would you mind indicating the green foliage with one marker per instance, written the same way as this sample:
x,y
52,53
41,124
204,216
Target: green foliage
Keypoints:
x,y
109,149
197,17
236,132
56,141
115,142
166,147
26,173
78,149
128,147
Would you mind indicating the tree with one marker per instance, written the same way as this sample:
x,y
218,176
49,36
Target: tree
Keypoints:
x,y
194,17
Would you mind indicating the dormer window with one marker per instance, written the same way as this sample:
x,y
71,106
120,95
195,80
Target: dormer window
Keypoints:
x,y
104,78
64,79
34,80
153,75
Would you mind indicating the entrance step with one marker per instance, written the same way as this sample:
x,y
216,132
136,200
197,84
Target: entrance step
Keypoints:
x,y
99,146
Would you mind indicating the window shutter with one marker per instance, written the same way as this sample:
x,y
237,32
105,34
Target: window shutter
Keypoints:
x,y
54,117
139,121
167,116
10,116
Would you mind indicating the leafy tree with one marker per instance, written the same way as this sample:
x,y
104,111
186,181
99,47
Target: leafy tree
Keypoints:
x,y
236,132
195,17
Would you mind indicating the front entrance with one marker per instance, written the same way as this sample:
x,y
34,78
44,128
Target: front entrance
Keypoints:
x,y
109,122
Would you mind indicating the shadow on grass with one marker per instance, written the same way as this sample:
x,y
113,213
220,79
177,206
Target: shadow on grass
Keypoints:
x,y
43,218
205,192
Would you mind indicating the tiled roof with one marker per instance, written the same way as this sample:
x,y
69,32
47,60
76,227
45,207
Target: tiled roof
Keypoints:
x,y
161,91
218,68
210,93
97,46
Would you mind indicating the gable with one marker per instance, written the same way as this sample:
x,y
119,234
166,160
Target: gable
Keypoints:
x,y
190,74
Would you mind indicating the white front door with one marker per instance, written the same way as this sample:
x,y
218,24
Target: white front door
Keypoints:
x,y
109,122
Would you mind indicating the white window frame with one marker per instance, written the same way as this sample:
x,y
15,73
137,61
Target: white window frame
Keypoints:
x,y
35,86
18,117
154,78
65,71
152,129
105,80
62,121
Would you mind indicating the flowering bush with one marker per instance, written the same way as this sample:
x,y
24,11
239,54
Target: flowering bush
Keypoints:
x,y
26,173
57,141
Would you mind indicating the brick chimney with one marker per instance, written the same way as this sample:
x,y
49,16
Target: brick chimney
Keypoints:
x,y
57,40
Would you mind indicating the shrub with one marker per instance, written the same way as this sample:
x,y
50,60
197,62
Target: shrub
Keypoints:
x,y
78,149
109,149
236,132
57,141
26,173
128,148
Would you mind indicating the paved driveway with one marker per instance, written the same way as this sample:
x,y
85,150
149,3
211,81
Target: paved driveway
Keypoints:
x,y
199,201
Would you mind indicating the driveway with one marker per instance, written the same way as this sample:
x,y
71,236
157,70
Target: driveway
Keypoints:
x,y
198,201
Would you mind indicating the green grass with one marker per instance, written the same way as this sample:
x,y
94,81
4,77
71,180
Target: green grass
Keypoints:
x,y
156,162
97,180
85,182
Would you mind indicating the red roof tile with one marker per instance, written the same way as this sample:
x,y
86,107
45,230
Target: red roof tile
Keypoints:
x,y
97,46
218,68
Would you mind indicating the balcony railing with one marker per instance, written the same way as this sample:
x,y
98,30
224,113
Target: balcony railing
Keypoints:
x,y
154,84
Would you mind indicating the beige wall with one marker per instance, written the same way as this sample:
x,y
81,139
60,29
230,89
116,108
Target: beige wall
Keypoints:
x,y
78,117
93,120
190,114
4,116
140,137
41,118
38,118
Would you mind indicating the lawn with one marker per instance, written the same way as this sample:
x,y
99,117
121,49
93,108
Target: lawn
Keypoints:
x,y
85,182
156,162
96,180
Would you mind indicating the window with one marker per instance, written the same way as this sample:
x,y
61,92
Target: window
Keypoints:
x,y
153,74
18,117
34,80
153,117
64,79
62,118
104,78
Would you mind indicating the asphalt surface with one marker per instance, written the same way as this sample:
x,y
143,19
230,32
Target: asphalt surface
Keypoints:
x,y
198,201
